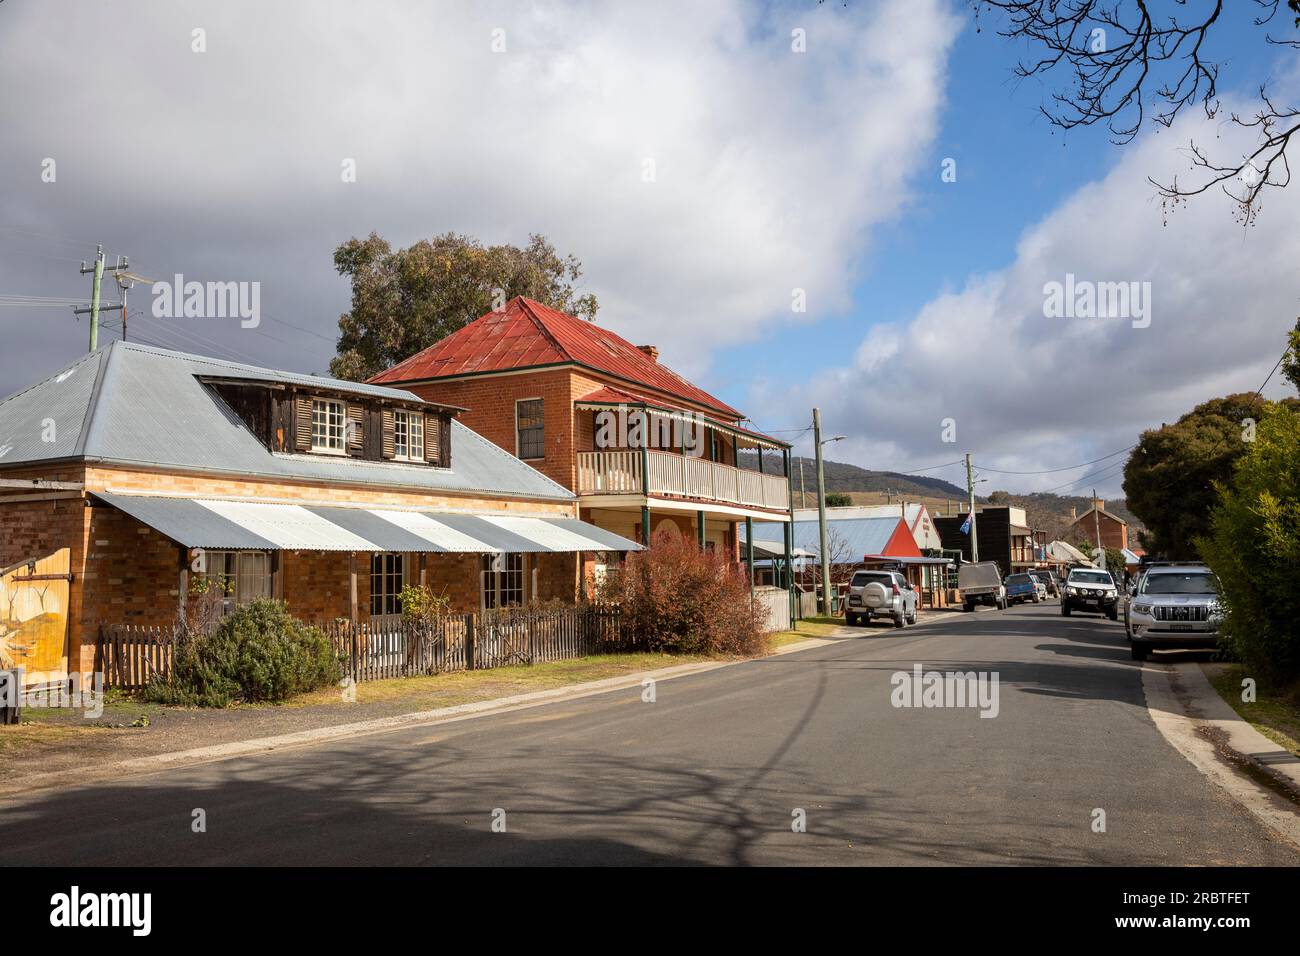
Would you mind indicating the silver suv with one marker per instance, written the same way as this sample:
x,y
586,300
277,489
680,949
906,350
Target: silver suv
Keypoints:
x,y
880,594
1174,606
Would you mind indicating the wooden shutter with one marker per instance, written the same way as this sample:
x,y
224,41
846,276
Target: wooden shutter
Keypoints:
x,y
302,423
356,429
444,441
433,438
389,451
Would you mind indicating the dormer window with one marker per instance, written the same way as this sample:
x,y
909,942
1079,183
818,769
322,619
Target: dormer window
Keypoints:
x,y
408,436
327,425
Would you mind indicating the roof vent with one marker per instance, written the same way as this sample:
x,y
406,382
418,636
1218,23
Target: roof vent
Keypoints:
x,y
651,351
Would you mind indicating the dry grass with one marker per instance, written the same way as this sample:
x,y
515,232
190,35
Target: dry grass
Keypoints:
x,y
1275,712
465,687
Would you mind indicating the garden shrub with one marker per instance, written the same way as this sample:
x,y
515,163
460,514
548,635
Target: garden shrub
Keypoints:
x,y
679,599
1254,548
260,652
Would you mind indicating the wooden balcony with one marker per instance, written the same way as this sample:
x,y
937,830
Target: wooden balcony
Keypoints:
x,y
679,476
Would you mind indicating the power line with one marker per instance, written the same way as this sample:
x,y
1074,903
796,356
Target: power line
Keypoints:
x,y
1052,471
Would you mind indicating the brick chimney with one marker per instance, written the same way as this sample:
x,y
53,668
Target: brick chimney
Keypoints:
x,y
1074,513
1099,504
651,351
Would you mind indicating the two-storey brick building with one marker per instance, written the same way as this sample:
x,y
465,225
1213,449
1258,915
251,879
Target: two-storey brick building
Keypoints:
x,y
645,450
136,470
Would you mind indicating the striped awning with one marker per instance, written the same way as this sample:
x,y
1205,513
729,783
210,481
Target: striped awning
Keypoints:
x,y
222,524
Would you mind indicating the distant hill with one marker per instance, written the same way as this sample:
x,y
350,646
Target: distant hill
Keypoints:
x,y
844,477
1045,511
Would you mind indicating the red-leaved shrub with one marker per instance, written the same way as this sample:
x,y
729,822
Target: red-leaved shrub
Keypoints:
x,y
679,599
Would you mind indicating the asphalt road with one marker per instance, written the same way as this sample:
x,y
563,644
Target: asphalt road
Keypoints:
x,y
712,773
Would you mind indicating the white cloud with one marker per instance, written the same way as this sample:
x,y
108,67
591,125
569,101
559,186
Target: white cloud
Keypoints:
x,y
1030,392
773,167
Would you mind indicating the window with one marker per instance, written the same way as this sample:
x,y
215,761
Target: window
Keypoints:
x,y
237,577
327,425
531,441
503,580
408,436
387,575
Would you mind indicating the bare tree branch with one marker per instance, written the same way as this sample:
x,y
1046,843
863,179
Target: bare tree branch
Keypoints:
x,y
1130,62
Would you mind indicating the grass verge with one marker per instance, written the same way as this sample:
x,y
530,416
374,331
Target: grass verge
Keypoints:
x,y
1275,712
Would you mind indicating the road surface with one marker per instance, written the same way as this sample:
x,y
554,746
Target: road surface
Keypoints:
x,y
715,771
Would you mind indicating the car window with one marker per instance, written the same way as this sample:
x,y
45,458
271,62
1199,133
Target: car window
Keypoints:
x,y
1182,582
1091,577
1018,579
863,578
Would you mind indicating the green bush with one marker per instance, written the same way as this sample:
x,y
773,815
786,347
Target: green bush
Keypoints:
x,y
259,653
1254,548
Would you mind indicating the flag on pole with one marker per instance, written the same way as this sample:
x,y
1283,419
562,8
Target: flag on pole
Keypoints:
x,y
965,525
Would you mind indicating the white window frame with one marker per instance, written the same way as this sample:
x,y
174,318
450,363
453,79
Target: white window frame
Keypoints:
x,y
326,427
518,447
408,436
498,588
390,599
238,575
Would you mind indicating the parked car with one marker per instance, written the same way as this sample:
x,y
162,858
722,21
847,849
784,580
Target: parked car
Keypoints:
x,y
1126,600
1175,606
1024,587
1090,589
880,594
981,584
1049,580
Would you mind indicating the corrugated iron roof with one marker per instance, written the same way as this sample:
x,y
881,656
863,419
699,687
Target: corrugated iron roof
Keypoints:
x,y
862,536
136,405
218,524
527,334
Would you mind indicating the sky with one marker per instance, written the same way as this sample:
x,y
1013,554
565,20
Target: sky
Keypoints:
x,y
712,164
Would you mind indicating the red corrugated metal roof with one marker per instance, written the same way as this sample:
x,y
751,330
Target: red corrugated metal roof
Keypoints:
x,y
618,396
527,334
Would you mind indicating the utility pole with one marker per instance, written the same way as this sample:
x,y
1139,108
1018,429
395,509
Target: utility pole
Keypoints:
x,y
98,270
970,494
825,561
1096,524
803,501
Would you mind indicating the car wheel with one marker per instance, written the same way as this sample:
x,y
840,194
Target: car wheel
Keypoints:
x,y
968,606
1139,651
1113,614
1065,609
912,619
901,620
851,620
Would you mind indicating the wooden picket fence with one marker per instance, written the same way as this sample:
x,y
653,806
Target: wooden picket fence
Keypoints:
x,y
129,656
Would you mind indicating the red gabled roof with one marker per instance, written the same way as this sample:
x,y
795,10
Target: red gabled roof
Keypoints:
x,y
901,544
527,334
619,396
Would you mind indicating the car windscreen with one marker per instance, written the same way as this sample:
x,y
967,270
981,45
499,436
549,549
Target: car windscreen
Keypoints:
x,y
1090,577
1181,582
1018,579
863,578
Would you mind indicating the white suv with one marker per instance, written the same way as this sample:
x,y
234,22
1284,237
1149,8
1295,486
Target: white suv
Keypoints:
x,y
1174,606
880,594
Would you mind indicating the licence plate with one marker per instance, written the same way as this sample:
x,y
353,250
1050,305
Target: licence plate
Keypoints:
x,y
1180,627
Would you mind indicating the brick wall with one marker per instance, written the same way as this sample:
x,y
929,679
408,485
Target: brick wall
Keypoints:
x,y
491,400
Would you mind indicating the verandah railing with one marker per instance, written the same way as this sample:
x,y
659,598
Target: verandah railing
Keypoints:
x,y
130,656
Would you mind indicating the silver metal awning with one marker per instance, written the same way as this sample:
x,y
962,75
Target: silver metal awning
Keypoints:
x,y
222,524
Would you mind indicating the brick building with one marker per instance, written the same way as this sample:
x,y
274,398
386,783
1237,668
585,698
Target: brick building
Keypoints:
x,y
566,396
150,471
1113,529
